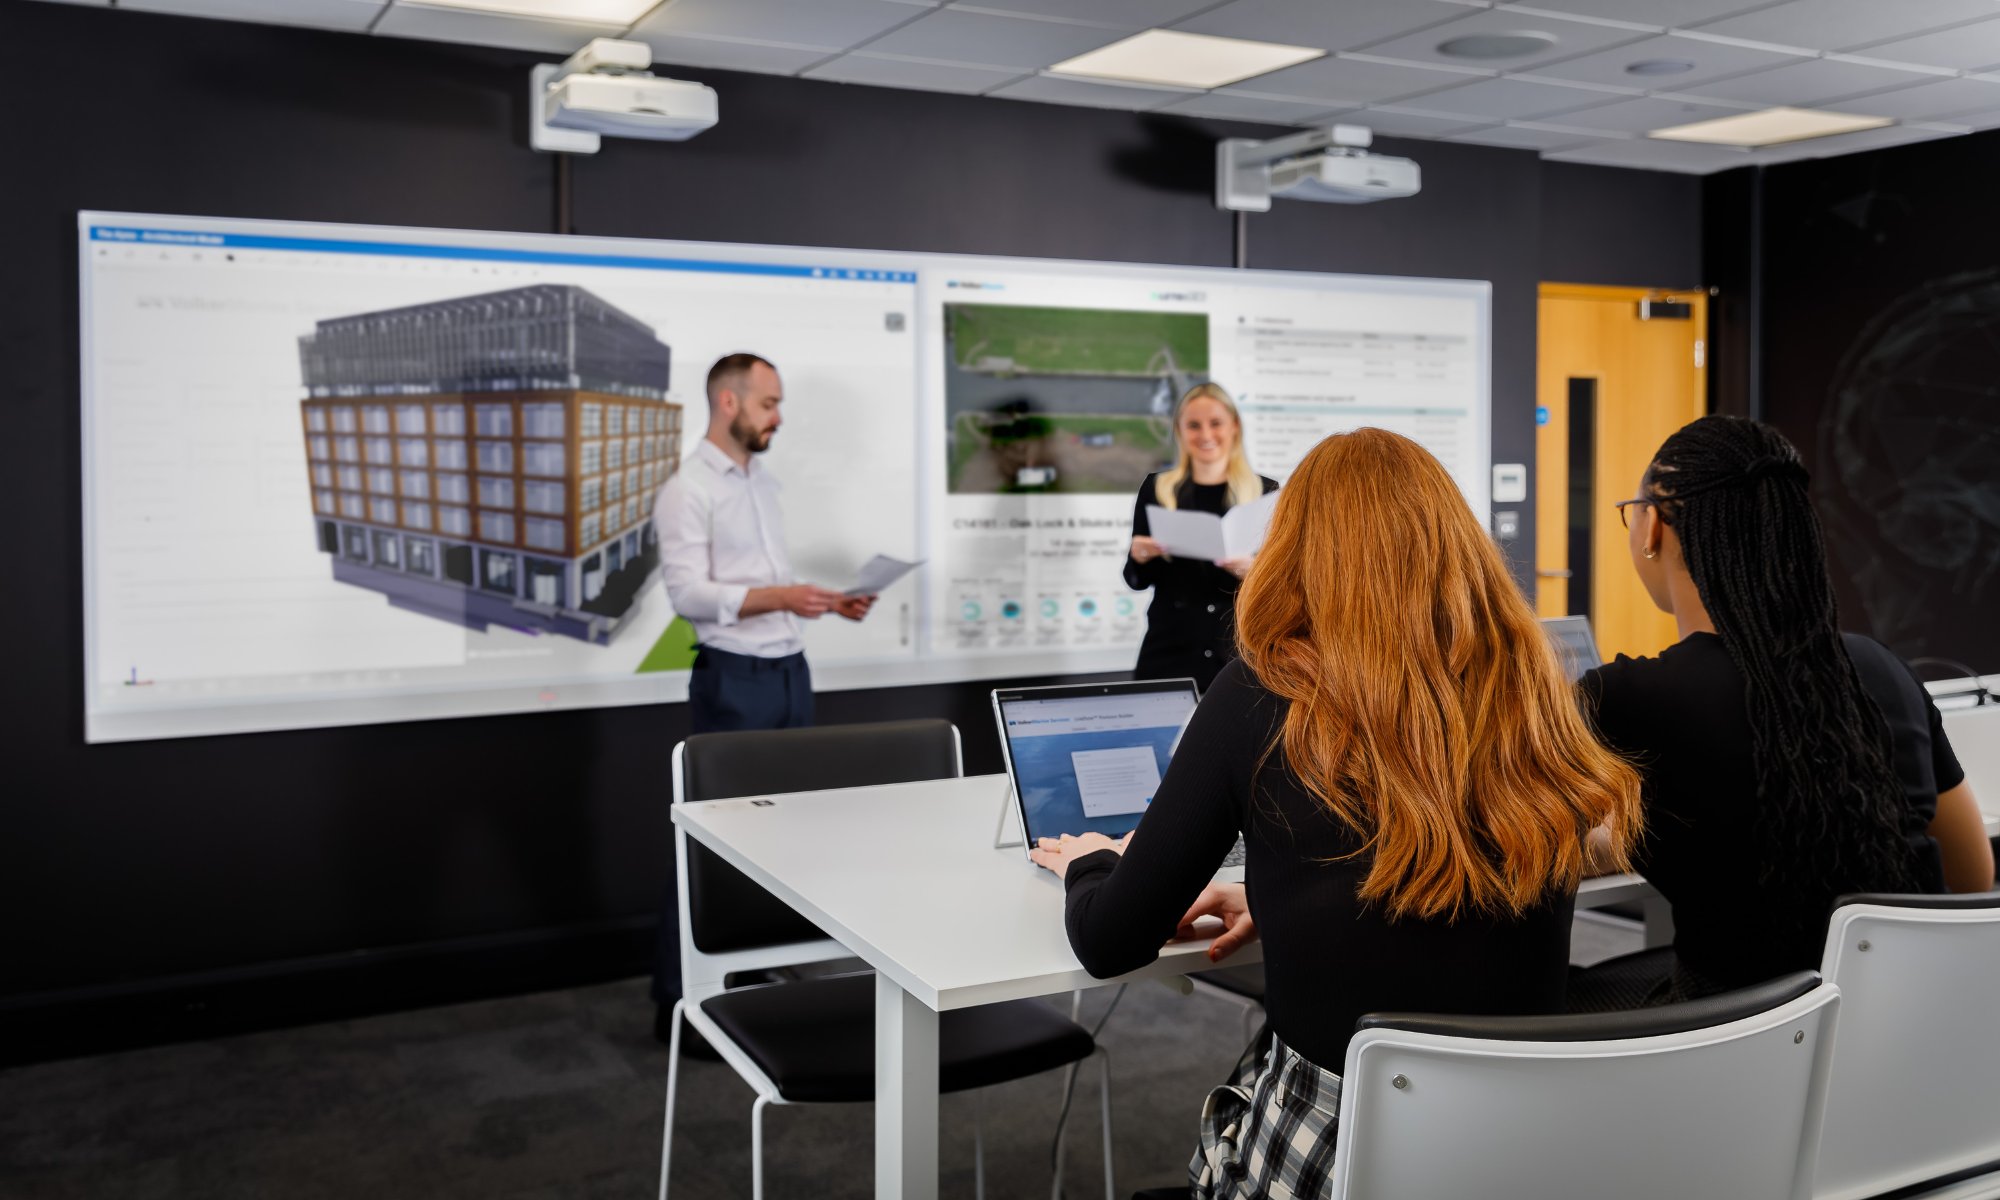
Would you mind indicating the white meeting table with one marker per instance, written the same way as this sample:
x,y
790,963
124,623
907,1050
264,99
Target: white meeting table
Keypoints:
x,y
906,876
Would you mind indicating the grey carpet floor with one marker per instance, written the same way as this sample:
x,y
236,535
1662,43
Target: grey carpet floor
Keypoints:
x,y
559,1097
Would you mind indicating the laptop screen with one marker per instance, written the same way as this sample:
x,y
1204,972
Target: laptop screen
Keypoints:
x,y
1088,759
1574,644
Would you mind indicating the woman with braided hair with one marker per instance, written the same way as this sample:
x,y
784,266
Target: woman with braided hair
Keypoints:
x,y
1785,762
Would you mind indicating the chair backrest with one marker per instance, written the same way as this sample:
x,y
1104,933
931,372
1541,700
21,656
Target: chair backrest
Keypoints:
x,y
1717,1097
1910,1096
725,913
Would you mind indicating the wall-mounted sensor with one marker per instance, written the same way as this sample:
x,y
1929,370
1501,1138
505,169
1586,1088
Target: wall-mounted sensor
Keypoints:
x,y
1510,483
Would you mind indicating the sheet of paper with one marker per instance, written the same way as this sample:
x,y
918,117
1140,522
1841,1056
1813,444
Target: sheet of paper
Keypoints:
x,y
1184,534
1244,526
1116,781
879,572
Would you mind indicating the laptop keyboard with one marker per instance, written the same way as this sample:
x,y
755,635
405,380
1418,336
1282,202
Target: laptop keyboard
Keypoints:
x,y
1237,854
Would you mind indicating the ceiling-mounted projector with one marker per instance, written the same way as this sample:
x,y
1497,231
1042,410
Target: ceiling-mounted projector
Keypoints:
x,y
1328,165
605,89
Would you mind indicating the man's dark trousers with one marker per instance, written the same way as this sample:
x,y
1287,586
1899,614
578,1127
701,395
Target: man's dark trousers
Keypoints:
x,y
729,692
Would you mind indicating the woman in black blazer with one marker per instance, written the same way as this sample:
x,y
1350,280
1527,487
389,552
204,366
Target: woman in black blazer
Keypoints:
x,y
1190,629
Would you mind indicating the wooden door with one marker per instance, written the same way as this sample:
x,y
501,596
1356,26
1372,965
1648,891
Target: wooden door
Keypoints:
x,y
1611,385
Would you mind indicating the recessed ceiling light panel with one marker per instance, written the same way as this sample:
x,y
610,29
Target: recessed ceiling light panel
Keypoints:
x,y
590,12
1770,127
1659,66
1193,60
1497,45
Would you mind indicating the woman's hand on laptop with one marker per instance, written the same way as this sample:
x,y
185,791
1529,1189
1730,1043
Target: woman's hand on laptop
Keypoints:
x,y
1058,853
1229,902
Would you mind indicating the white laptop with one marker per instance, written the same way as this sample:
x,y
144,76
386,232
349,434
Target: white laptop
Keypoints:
x,y
1087,758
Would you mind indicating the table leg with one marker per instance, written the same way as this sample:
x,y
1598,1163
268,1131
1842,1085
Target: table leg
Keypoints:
x,y
906,1095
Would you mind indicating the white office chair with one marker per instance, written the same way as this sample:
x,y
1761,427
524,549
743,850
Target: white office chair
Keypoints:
x,y
812,1041
1914,1090
1719,1097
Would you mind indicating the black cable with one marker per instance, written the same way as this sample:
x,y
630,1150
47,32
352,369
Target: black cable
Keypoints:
x,y
1069,1093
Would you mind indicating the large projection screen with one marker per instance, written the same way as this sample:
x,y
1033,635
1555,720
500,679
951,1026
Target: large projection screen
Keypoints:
x,y
340,474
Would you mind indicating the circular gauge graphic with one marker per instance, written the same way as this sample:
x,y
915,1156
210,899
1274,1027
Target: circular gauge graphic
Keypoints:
x,y
1087,607
1125,606
1050,609
1010,609
970,610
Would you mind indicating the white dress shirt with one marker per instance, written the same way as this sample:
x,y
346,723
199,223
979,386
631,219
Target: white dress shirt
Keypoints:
x,y
721,534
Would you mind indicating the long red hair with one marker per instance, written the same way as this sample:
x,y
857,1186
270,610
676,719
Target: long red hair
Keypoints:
x,y
1427,708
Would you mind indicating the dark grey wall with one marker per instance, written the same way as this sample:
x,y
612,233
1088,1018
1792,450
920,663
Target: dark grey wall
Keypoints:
x,y
124,864
1881,360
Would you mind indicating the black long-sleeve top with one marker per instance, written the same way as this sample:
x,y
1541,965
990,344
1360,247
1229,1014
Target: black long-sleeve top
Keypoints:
x,y
1328,959
1681,718
1191,626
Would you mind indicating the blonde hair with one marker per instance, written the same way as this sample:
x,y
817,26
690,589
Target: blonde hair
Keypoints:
x,y
1429,714
1245,484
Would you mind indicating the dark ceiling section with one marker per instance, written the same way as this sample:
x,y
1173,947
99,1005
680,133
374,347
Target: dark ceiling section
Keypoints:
x,y
125,864
1882,361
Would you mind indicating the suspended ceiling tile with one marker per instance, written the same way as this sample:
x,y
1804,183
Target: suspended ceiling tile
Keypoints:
x,y
1571,38
1966,48
975,37
475,28
1926,100
1708,60
1523,137
1978,120
838,24
1849,143
732,54
1398,122
1839,24
908,73
350,15
1664,13
1048,90
1129,14
1645,115
1500,99
1806,83
1232,105
1354,81
1649,154
1324,24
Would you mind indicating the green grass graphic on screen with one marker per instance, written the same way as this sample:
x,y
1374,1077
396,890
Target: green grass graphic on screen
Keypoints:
x,y
673,652
1045,399
1004,339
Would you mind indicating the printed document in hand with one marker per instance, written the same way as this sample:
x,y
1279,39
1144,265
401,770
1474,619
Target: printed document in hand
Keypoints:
x,y
879,572
1236,533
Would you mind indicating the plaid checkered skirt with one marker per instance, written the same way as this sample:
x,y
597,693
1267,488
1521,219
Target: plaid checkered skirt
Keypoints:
x,y
1269,1132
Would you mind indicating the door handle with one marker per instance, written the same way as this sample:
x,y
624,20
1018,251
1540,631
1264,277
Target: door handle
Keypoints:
x,y
1553,574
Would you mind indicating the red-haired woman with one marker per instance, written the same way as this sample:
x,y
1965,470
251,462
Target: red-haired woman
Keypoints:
x,y
1405,759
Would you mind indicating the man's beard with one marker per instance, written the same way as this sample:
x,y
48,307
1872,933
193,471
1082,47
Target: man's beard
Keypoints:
x,y
751,438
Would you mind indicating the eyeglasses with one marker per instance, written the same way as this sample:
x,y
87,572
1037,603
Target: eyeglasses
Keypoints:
x,y
1622,505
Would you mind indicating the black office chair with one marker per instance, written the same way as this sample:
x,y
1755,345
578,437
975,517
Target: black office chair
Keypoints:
x,y
812,1041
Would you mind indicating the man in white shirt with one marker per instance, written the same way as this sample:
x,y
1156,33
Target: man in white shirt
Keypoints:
x,y
722,555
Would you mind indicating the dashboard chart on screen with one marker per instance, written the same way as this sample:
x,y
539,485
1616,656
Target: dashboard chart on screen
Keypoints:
x,y
351,474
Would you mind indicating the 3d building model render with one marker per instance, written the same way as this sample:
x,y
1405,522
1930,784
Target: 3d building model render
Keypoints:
x,y
492,459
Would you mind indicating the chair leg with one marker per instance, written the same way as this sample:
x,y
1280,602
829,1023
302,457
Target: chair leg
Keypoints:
x,y
673,1077
978,1145
1062,1136
757,1148
1104,1087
